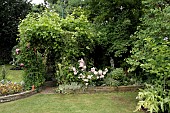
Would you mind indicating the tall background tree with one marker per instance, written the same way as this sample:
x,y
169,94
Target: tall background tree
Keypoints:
x,y
11,12
64,7
115,20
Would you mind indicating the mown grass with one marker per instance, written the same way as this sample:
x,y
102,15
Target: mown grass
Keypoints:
x,y
13,75
73,103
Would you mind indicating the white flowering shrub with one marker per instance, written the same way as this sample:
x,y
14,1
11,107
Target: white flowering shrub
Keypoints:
x,y
90,77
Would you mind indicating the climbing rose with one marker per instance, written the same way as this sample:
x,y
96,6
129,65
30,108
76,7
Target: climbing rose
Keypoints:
x,y
82,64
17,50
21,65
102,76
75,72
89,76
93,70
100,72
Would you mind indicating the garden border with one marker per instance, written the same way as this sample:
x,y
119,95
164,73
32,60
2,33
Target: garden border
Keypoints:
x,y
104,89
17,96
113,89
98,89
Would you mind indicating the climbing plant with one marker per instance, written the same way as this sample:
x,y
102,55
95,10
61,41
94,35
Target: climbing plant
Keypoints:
x,y
46,33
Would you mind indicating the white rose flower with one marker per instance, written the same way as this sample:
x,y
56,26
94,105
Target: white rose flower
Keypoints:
x,y
89,76
95,72
104,72
93,69
102,76
85,80
74,69
100,72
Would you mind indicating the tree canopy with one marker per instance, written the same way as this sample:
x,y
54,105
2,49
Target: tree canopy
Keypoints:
x,y
11,12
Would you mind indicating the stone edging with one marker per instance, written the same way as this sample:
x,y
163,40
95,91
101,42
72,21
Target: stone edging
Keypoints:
x,y
25,94
114,89
17,96
106,89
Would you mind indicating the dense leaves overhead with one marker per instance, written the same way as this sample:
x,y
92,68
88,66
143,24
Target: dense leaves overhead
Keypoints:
x,y
65,7
150,54
11,12
116,20
47,33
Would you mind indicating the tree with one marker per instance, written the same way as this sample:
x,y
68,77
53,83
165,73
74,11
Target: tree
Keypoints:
x,y
11,12
64,7
151,54
116,20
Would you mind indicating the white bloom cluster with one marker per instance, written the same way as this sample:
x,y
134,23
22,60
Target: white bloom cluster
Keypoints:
x,y
99,73
85,76
82,64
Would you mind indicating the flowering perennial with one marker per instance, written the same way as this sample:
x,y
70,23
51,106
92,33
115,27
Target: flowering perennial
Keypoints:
x,y
88,76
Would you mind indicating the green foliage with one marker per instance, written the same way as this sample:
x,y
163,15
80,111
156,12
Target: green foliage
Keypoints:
x,y
3,73
151,53
33,67
11,11
116,77
117,74
111,82
67,74
154,99
65,7
151,50
46,33
63,75
68,88
115,21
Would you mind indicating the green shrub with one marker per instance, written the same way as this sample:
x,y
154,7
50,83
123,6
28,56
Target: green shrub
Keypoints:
x,y
68,88
47,34
116,77
151,54
67,74
117,74
111,82
3,73
154,99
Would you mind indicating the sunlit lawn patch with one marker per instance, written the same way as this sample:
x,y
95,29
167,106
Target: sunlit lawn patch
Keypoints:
x,y
73,103
13,75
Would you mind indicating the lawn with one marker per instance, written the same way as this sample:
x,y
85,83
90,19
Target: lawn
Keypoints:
x,y
13,75
73,103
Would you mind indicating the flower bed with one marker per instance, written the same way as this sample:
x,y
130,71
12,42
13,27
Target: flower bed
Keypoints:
x,y
8,87
10,91
17,96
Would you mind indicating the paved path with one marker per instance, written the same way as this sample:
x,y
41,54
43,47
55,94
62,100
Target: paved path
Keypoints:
x,y
48,90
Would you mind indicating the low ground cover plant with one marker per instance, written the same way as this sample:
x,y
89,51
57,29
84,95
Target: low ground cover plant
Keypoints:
x,y
8,87
153,99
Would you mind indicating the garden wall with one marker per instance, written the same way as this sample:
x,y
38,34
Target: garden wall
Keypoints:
x,y
113,89
17,96
103,89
